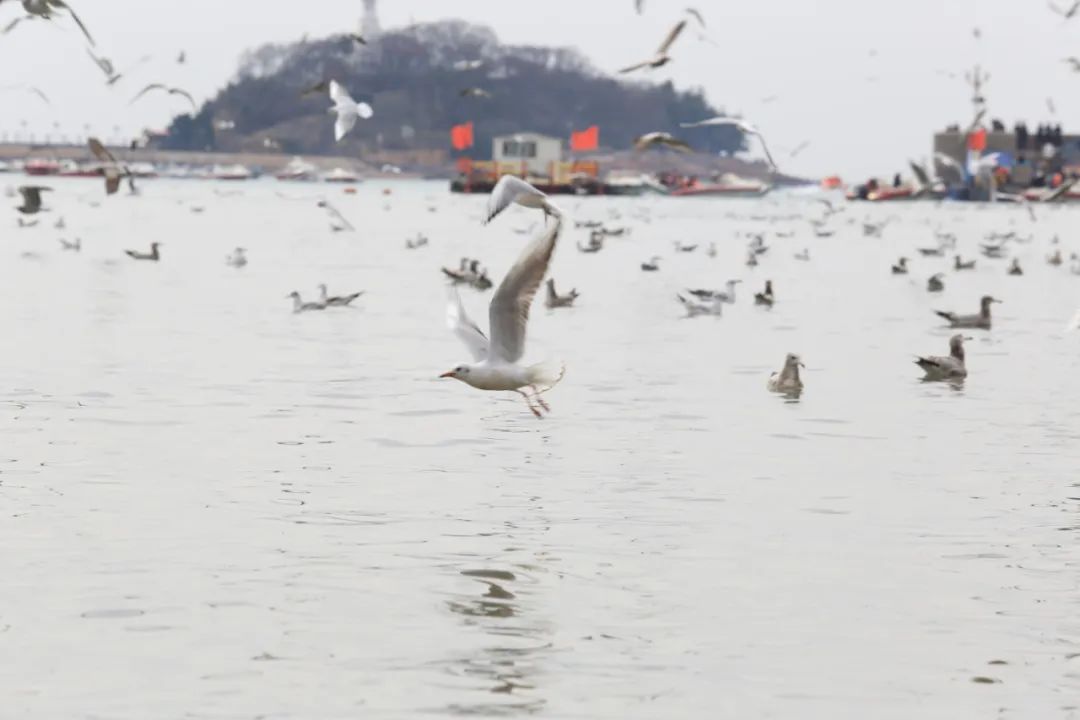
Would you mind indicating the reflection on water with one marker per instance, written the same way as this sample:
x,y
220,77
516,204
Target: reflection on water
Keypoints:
x,y
252,513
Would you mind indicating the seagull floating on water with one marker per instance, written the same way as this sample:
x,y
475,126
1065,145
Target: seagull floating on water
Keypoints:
x,y
935,283
152,256
337,300
300,306
71,246
1014,268
980,321
900,268
237,258
765,297
946,368
713,306
787,381
959,264
555,300
496,361
652,265
726,296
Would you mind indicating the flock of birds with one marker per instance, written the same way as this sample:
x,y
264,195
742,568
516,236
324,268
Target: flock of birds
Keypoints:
x,y
496,359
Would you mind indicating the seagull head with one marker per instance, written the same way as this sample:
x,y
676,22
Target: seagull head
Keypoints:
x,y
793,360
459,373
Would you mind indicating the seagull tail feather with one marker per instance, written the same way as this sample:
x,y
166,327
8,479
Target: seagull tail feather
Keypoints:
x,y
546,375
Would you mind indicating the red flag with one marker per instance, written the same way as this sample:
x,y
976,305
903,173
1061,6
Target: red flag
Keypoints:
x,y
977,140
461,136
585,140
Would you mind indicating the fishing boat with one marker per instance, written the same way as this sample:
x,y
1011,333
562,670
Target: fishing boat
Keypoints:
x,y
231,172
298,169
41,167
340,175
726,186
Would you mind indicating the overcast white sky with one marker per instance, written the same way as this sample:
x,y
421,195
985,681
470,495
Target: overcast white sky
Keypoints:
x,y
862,81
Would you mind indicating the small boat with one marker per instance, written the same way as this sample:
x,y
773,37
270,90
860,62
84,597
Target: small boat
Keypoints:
x,y
727,186
231,172
298,169
41,167
340,175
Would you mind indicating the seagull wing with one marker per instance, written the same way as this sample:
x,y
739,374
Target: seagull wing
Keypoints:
x,y
336,214
186,94
99,150
920,174
509,311
639,5
40,95
462,326
632,68
338,94
149,88
61,3
11,25
761,138
344,123
677,144
710,122
696,15
505,192
672,36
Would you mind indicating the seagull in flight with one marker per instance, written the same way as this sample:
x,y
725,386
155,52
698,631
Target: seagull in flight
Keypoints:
x,y
30,89
743,127
474,92
171,90
335,214
496,360
113,170
654,139
44,9
661,57
510,190
1067,13
31,199
347,110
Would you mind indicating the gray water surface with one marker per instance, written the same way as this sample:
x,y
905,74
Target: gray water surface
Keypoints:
x,y
213,508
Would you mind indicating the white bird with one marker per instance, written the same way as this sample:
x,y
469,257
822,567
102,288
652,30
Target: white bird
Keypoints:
x,y
496,363
1075,324
743,127
511,189
337,300
300,306
726,296
237,259
347,110
661,57
715,306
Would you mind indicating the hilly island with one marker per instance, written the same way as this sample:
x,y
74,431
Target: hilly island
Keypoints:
x,y
417,80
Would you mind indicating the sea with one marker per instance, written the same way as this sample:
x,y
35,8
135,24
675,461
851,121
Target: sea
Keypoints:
x,y
214,507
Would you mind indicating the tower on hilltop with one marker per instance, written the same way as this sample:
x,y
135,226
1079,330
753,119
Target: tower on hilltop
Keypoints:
x,y
369,25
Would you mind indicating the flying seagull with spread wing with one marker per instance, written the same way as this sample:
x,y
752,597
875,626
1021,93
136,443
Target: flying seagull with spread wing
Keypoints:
x,y
44,9
657,139
114,172
171,90
661,57
743,127
496,362
347,110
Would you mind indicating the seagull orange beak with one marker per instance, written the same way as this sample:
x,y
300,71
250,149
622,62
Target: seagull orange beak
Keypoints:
x,y
448,374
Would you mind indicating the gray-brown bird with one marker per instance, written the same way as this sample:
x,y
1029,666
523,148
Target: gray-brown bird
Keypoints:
x,y
31,195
